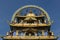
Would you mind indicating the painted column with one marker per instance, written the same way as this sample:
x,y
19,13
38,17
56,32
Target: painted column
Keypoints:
x,y
24,33
17,32
42,32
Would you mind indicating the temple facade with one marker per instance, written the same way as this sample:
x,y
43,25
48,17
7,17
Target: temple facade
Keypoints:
x,y
30,25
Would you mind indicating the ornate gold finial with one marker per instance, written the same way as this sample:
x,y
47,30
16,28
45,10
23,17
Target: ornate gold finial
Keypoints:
x,y
30,11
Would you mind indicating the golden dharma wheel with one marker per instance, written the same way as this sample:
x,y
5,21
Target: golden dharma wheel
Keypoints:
x,y
18,11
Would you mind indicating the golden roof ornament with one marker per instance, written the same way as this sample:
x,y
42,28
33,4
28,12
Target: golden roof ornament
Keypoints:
x,y
32,27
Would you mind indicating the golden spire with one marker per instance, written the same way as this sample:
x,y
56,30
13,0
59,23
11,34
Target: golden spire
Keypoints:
x,y
30,11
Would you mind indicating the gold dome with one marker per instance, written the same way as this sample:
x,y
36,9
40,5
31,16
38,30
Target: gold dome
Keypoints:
x,y
31,14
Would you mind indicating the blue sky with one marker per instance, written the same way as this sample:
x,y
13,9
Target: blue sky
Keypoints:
x,y
8,7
